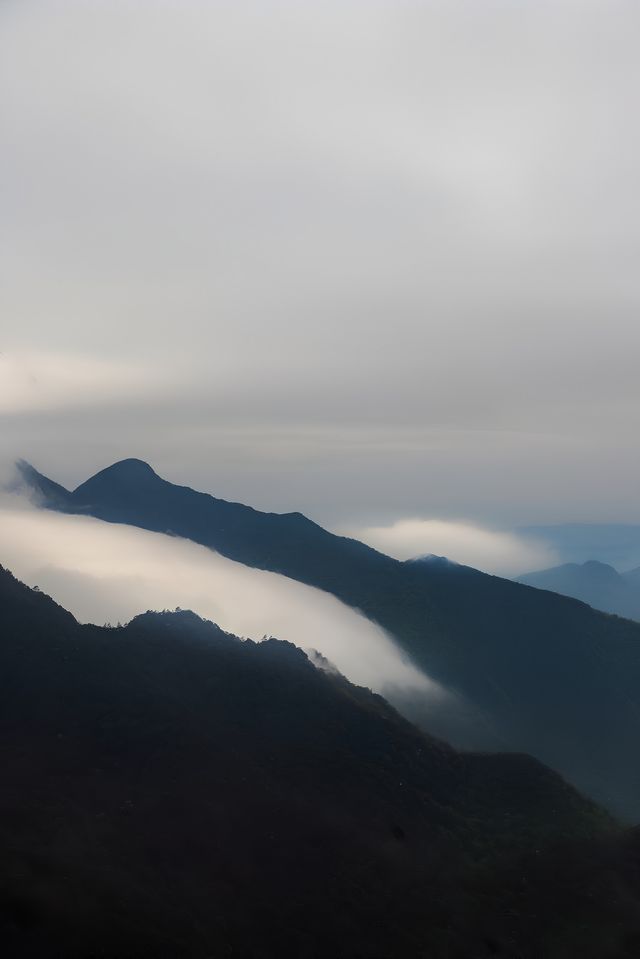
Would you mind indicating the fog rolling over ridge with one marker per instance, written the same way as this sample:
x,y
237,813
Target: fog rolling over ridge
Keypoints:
x,y
104,572
198,796
320,629
501,552
527,663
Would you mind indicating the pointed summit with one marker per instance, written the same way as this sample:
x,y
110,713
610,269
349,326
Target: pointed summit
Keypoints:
x,y
126,477
129,474
130,470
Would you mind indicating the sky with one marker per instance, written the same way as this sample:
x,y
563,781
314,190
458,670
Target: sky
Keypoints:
x,y
377,262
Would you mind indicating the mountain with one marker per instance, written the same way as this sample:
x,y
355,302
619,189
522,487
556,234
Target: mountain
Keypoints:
x,y
171,790
535,672
597,584
617,544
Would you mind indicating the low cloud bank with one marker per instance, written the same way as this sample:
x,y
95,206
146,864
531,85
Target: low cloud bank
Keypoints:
x,y
502,553
104,572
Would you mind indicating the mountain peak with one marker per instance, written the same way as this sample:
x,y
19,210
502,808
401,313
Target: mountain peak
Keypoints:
x,y
432,559
130,468
130,474
596,566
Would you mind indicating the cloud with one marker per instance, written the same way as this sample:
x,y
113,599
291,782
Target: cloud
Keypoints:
x,y
492,551
31,381
104,572
382,244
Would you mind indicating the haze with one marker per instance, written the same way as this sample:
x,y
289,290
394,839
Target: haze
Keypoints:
x,y
375,262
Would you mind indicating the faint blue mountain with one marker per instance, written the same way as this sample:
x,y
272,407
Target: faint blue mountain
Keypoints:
x,y
617,544
595,583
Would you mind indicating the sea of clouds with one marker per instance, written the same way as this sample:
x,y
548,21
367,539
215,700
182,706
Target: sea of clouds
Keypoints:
x,y
105,572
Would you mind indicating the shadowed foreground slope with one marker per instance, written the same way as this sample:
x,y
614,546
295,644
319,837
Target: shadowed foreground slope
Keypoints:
x,y
169,790
545,674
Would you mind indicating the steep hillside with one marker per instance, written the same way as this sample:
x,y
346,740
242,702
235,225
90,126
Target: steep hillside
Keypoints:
x,y
545,674
171,790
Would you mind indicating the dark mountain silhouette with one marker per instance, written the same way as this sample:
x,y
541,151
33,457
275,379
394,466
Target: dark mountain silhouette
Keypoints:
x,y
595,583
540,673
170,790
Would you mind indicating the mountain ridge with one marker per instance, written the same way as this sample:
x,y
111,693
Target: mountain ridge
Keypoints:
x,y
170,789
596,583
531,663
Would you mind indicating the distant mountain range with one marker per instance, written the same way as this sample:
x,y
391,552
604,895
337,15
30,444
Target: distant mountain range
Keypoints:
x,y
542,674
170,790
617,544
595,583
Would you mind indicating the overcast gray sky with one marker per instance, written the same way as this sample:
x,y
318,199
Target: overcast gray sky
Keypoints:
x,y
374,261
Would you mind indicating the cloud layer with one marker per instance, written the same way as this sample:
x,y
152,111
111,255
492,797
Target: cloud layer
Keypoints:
x,y
103,572
492,551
